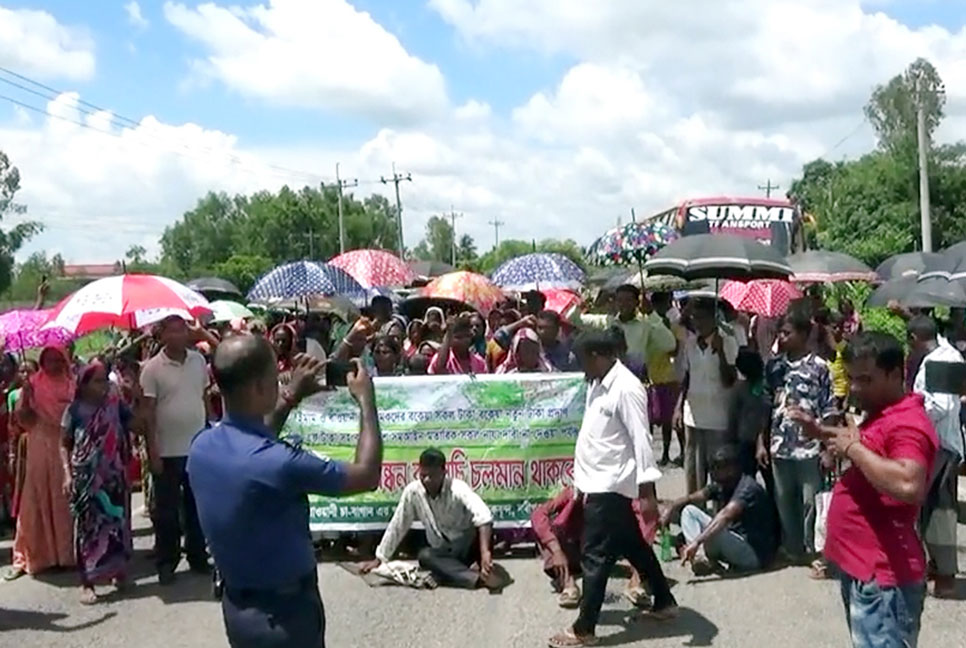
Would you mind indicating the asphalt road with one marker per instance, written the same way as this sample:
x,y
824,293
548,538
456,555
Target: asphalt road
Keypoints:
x,y
779,609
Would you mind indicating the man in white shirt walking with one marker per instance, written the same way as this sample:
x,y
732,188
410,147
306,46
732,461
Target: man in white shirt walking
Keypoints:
x,y
939,512
458,523
613,464
174,384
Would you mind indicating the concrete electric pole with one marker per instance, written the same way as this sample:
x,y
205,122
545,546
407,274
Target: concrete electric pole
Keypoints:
x,y
343,184
396,179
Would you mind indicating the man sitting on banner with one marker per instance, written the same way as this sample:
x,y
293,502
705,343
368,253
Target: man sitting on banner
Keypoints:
x,y
558,525
458,523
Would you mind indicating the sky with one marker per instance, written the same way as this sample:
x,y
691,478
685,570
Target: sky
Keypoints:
x,y
554,117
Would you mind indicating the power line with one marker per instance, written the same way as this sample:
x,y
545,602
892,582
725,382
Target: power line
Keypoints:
x,y
120,121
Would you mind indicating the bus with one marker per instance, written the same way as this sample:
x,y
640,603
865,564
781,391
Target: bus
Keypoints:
x,y
774,222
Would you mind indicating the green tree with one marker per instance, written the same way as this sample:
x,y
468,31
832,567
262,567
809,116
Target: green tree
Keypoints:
x,y
437,244
280,227
136,254
243,270
11,240
466,250
869,207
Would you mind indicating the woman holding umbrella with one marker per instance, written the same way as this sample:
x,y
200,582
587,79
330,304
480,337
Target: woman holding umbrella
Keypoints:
x,y
44,527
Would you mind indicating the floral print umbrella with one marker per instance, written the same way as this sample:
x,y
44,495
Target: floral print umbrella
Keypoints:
x,y
467,287
632,243
21,329
375,268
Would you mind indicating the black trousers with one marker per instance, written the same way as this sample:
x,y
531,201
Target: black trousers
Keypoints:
x,y
450,563
611,532
173,504
290,617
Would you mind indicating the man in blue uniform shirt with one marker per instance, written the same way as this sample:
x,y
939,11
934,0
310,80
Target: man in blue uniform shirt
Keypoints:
x,y
251,490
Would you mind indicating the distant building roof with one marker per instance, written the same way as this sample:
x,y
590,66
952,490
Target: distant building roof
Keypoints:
x,y
92,270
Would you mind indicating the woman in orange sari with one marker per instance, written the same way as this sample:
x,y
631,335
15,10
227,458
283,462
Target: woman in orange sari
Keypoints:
x,y
45,529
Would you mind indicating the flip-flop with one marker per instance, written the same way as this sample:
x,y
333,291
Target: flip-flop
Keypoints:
x,y
14,573
569,598
666,613
637,597
568,639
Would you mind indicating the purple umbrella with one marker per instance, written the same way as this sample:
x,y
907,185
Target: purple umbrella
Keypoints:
x,y
20,329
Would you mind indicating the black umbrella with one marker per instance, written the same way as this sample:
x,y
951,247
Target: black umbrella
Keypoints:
x,y
908,264
719,256
928,291
824,266
214,285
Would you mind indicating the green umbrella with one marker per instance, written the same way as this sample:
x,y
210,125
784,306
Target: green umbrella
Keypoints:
x,y
226,311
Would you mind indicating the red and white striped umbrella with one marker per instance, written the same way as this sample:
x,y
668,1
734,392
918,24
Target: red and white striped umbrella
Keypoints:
x,y
767,297
126,301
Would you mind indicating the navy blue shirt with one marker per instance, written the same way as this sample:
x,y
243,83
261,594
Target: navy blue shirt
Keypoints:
x,y
251,493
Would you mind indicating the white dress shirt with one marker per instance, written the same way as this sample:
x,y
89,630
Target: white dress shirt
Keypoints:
x,y
942,409
613,453
456,510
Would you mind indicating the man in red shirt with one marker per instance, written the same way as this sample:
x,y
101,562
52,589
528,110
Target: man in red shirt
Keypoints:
x,y
871,534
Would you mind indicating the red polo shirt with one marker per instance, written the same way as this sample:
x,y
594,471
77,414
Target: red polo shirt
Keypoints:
x,y
872,536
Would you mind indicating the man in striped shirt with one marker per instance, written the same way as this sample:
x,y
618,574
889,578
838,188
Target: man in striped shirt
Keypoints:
x,y
458,523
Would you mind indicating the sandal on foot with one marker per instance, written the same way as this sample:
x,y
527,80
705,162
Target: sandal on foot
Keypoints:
x,y
666,613
638,597
818,570
568,638
569,598
14,573
88,596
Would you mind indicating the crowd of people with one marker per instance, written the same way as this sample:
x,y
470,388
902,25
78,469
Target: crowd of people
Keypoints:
x,y
767,413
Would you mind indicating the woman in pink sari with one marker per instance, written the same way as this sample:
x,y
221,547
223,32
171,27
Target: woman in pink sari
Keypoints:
x,y
45,529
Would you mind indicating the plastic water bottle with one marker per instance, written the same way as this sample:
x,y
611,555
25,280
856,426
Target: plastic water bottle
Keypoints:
x,y
666,546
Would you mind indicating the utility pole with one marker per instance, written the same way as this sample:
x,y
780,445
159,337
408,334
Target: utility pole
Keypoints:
x,y
452,219
922,136
497,224
768,187
343,184
311,235
396,179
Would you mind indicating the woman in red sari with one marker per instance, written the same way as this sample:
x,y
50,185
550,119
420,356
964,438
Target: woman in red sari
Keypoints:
x,y
45,529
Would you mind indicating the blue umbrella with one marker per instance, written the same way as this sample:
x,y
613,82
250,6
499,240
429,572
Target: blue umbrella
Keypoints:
x,y
539,271
305,279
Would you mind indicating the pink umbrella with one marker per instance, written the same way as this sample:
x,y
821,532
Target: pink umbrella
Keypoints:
x,y
375,268
21,329
767,297
561,300
126,301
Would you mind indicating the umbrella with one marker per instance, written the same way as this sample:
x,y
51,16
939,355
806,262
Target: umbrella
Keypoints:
x,y
908,264
652,283
373,268
214,285
913,292
631,243
465,287
430,269
561,300
767,297
21,329
823,266
226,311
126,301
538,271
305,279
719,256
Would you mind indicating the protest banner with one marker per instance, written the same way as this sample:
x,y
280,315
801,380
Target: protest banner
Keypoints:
x,y
510,437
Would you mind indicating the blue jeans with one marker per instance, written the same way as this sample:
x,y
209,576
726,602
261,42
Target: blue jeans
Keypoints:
x,y
725,546
797,482
882,617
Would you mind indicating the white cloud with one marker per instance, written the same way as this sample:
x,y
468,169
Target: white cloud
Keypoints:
x,y
659,103
312,53
34,43
134,15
